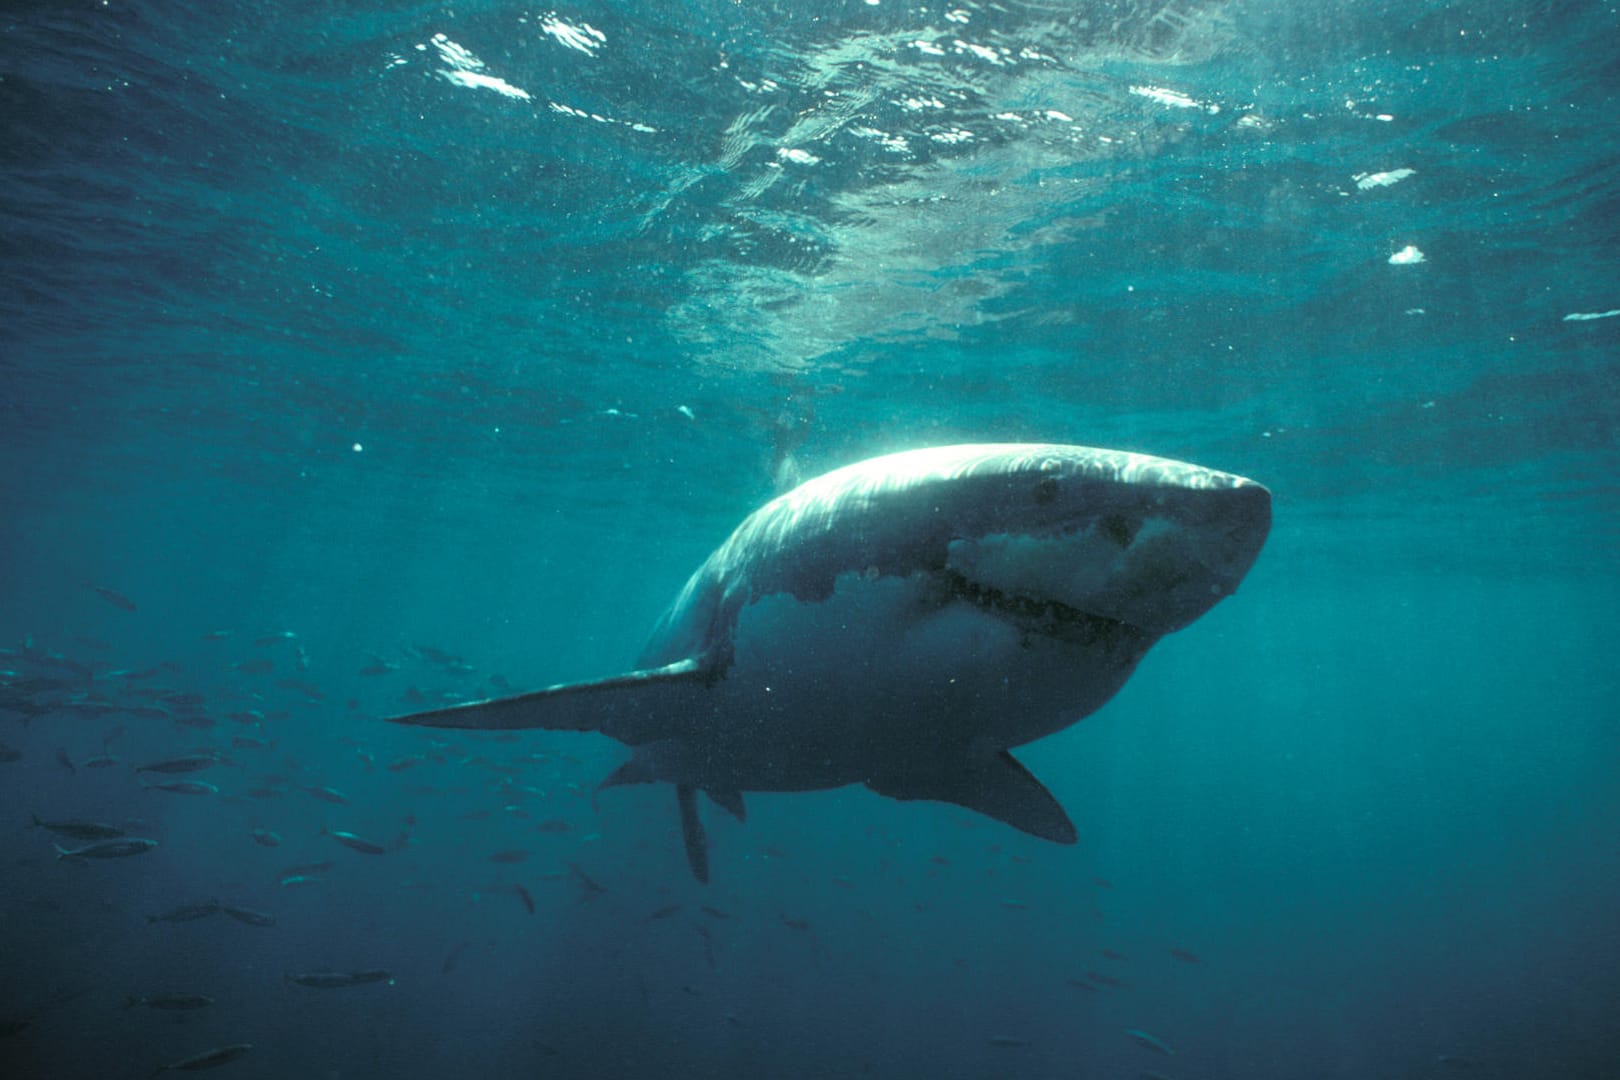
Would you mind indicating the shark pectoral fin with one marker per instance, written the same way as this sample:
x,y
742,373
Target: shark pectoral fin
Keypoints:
x,y
996,786
621,707
697,842
731,801
662,759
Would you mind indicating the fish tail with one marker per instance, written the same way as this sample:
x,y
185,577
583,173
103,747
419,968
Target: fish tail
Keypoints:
x,y
37,823
61,852
132,1000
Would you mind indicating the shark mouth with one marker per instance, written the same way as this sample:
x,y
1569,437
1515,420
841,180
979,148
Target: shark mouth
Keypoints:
x,y
1049,618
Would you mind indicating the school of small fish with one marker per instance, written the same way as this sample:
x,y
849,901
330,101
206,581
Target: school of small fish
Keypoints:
x,y
239,769
247,784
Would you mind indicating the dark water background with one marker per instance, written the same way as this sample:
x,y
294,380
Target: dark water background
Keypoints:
x,y
476,326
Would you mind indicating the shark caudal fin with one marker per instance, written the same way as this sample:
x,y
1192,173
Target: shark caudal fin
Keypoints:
x,y
996,786
629,707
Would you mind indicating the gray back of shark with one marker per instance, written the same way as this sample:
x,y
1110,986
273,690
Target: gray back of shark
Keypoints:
x,y
905,621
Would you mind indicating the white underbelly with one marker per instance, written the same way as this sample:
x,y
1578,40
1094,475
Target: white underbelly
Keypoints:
x,y
888,675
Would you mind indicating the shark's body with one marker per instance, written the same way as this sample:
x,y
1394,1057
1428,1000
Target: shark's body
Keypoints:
x,y
903,622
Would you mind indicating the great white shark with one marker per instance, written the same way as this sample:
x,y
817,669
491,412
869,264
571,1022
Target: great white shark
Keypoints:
x,y
905,622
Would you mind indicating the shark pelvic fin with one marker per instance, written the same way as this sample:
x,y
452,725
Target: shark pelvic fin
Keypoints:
x,y
648,763
731,801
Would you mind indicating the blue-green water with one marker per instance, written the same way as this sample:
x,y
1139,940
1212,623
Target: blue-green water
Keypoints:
x,y
477,326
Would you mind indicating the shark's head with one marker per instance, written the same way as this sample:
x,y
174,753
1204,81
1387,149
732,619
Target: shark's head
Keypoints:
x,y
1142,540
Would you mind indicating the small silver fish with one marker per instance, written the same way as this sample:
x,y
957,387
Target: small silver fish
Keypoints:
x,y
121,602
248,915
332,980
320,867
189,763
1153,1043
168,1001
108,849
185,787
186,912
208,1059
274,637
80,830
289,880
356,843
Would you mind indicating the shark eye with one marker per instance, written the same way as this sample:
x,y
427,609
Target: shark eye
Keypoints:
x,y
1046,489
1118,529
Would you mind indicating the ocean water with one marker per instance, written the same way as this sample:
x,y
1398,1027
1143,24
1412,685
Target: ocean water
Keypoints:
x,y
359,358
